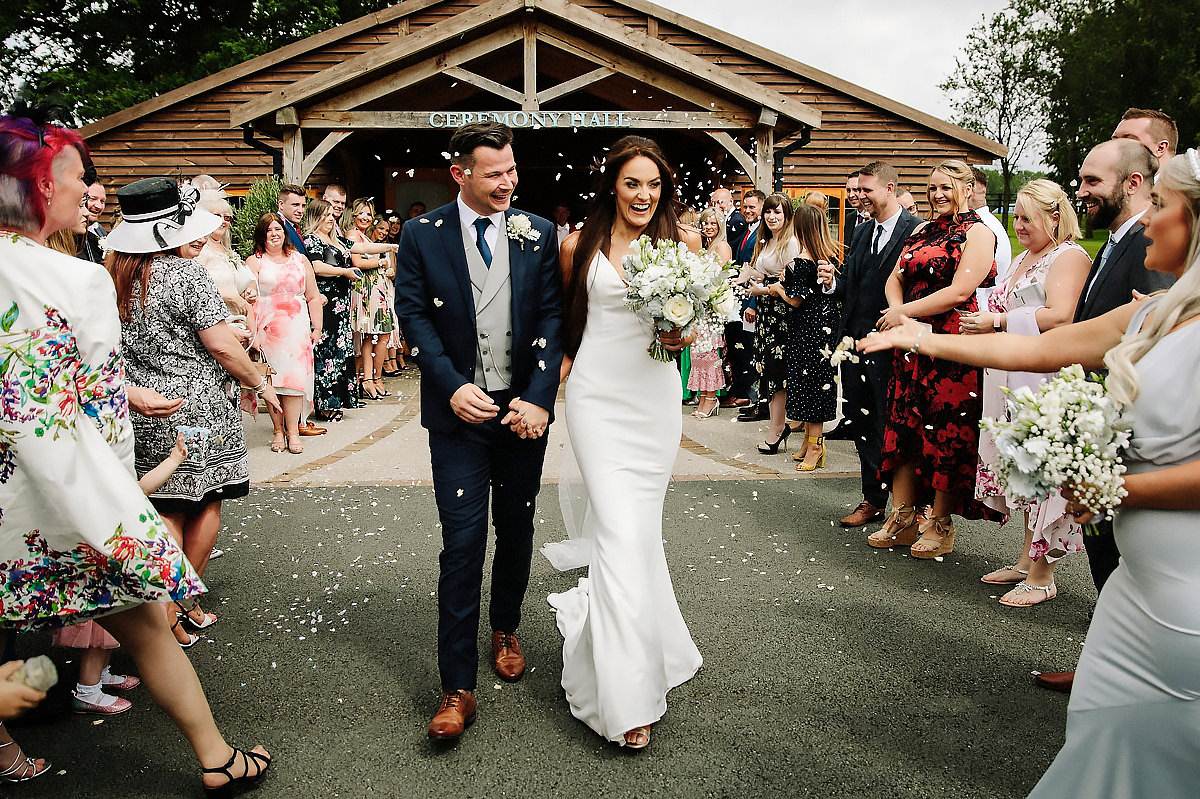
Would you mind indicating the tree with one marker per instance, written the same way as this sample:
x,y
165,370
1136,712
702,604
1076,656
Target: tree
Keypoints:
x,y
1109,55
998,87
99,56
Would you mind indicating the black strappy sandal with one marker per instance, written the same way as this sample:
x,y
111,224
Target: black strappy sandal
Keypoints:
x,y
244,782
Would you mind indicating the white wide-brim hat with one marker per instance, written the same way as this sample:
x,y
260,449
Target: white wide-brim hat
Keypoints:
x,y
156,215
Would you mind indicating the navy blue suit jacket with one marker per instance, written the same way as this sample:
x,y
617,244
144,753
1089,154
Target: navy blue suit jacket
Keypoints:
x,y
860,286
1124,272
436,309
295,238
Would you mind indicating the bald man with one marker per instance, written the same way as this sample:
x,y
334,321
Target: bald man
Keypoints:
x,y
735,223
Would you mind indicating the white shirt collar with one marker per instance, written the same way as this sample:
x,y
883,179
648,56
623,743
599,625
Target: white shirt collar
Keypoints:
x,y
467,217
888,226
1120,232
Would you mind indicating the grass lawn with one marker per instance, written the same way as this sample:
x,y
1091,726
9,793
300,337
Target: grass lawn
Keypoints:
x,y
1092,245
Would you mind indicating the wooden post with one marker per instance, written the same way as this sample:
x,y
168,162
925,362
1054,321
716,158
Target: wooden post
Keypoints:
x,y
530,101
764,161
293,155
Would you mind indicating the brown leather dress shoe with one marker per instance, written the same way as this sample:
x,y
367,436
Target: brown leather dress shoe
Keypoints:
x,y
509,661
734,402
310,429
865,513
454,714
1060,681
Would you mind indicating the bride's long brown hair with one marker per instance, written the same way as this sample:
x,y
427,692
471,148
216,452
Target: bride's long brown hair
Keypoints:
x,y
596,234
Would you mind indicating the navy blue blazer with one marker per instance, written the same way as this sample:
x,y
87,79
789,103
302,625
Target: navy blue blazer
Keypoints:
x,y
860,286
436,309
1124,272
294,237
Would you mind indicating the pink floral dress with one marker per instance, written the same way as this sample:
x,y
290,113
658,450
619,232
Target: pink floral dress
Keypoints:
x,y
1054,533
78,538
284,329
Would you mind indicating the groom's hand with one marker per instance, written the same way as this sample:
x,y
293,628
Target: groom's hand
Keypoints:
x,y
526,419
472,405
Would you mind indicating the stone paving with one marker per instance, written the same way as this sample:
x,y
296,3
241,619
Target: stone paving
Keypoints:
x,y
831,669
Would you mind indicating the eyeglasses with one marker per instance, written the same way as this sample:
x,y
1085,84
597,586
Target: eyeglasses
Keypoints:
x,y
227,217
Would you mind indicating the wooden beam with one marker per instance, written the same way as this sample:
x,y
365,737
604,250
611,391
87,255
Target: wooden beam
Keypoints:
x,y
379,57
741,156
618,63
764,158
694,67
574,84
768,118
488,85
293,155
410,120
287,117
529,50
419,72
652,27
320,151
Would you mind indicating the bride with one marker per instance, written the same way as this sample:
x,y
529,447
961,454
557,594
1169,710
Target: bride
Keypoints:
x,y
625,642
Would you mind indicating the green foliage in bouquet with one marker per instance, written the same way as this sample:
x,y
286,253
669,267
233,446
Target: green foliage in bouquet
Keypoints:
x,y
262,197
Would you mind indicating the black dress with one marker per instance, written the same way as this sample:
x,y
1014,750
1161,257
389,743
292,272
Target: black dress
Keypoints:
x,y
811,332
333,355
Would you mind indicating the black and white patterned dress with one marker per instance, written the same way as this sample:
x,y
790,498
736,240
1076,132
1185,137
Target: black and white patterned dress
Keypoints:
x,y
163,351
811,391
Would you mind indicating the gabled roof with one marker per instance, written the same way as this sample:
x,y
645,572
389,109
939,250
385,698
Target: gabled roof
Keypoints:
x,y
407,7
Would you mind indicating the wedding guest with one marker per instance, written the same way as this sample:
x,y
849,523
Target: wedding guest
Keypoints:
x,y
1115,181
562,220
931,438
74,489
1155,129
854,210
735,223
907,201
713,235
94,202
860,288
373,319
389,367
707,374
291,210
812,333
176,341
817,199
774,252
335,195
1131,721
233,280
1038,293
740,340
978,204
394,224
333,354
289,320
625,641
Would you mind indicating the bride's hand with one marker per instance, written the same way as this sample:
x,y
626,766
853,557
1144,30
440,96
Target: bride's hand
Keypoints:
x,y
902,337
526,419
671,340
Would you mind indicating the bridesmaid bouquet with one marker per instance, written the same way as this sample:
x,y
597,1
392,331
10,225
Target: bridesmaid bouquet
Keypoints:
x,y
1068,433
672,287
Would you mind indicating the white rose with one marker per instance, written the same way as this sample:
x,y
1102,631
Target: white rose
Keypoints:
x,y
678,310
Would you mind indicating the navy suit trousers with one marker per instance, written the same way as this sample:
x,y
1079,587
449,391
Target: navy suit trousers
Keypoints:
x,y
471,465
864,394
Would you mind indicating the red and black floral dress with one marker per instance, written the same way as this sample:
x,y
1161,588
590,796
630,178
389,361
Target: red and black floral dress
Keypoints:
x,y
934,406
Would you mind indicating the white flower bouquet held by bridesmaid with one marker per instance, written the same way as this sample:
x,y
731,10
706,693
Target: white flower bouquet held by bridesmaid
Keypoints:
x,y
1067,434
672,287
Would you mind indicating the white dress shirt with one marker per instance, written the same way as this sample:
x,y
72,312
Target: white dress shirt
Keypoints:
x,y
467,217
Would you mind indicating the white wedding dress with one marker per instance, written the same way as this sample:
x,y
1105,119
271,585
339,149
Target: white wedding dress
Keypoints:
x,y
625,642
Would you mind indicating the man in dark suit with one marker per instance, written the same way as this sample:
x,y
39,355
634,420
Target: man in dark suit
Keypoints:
x,y
1114,184
739,341
478,297
735,223
873,254
292,200
855,213
93,203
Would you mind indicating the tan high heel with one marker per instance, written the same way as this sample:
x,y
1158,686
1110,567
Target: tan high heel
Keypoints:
x,y
812,445
937,538
900,529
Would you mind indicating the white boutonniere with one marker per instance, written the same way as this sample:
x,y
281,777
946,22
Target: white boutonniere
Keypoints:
x,y
520,228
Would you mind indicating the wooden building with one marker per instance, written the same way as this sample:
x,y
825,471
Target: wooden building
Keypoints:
x,y
372,102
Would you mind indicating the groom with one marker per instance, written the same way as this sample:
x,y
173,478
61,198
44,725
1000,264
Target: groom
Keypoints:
x,y
478,298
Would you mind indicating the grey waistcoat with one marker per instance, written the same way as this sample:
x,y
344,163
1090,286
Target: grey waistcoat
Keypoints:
x,y
492,291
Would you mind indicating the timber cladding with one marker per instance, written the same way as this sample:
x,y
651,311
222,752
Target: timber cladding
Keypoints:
x,y
188,131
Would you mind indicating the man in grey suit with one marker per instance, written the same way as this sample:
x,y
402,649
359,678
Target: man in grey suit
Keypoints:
x,y
874,251
1114,185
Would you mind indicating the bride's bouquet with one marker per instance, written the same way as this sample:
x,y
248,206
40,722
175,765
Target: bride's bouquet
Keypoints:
x,y
1068,433
672,287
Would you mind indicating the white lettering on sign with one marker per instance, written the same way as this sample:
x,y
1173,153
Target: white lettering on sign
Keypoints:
x,y
534,119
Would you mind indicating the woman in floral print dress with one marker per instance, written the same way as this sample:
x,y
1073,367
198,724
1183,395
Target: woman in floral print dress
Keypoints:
x,y
78,538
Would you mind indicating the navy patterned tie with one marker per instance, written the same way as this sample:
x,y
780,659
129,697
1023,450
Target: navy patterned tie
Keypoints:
x,y
482,224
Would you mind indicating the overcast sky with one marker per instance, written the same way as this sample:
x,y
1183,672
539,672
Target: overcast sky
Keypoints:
x,y
852,39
